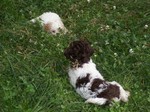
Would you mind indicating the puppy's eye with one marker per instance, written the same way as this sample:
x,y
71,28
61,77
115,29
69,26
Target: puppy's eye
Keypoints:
x,y
53,31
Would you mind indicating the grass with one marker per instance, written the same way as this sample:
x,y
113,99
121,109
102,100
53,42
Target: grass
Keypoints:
x,y
33,69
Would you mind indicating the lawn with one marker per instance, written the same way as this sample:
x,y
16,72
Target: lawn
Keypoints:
x,y
33,69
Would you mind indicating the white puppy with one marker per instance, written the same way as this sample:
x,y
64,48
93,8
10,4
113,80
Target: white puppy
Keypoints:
x,y
87,80
51,22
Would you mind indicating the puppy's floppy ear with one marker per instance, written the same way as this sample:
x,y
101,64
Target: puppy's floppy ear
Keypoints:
x,y
48,27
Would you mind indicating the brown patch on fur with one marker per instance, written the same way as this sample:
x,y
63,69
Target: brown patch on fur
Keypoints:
x,y
82,81
96,83
47,27
112,91
80,51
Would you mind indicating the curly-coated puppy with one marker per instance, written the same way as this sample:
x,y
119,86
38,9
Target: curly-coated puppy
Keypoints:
x,y
51,22
87,80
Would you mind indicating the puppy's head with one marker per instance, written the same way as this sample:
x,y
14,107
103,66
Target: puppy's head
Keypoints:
x,y
55,28
80,51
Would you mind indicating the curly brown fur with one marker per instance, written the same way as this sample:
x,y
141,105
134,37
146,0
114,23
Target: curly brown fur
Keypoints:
x,y
79,51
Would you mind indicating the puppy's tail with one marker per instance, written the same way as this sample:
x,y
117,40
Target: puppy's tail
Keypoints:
x,y
99,101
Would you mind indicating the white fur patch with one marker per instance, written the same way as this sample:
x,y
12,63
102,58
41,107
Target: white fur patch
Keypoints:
x,y
85,90
99,101
51,22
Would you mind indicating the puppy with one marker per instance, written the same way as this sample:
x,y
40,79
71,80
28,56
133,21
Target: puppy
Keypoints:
x,y
87,80
51,22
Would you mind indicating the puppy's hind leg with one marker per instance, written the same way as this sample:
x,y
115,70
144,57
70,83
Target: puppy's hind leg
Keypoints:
x,y
123,93
99,101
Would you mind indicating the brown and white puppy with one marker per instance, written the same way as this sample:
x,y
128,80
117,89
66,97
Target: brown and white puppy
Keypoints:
x,y
87,80
51,22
